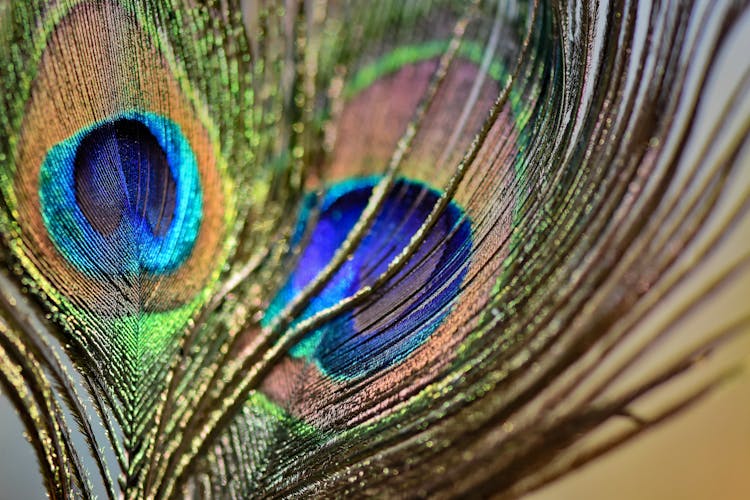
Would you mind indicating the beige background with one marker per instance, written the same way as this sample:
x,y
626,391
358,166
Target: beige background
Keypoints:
x,y
701,454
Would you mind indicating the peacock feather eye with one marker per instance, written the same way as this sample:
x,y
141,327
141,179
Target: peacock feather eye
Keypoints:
x,y
117,185
118,207
411,325
382,334
122,197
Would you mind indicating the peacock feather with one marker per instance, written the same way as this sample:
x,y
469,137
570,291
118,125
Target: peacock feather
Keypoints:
x,y
351,248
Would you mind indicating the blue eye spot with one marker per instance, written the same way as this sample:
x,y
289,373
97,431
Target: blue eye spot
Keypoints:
x,y
120,170
123,196
411,307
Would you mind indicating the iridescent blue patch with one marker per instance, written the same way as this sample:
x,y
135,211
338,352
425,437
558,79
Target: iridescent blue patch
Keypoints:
x,y
402,315
123,196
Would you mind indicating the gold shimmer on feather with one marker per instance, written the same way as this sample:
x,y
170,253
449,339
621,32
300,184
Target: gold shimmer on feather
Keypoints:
x,y
334,248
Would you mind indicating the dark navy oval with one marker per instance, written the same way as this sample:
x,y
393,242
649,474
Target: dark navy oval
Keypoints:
x,y
411,307
121,170
123,196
